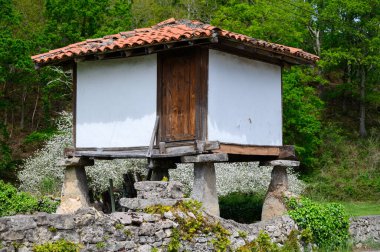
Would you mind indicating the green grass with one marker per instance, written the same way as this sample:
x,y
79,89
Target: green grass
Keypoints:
x,y
362,208
358,208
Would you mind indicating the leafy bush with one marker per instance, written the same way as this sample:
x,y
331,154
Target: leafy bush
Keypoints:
x,y
328,223
58,246
248,206
15,202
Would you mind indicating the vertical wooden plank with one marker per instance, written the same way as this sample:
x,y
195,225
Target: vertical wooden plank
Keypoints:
x,y
202,103
178,96
159,98
74,104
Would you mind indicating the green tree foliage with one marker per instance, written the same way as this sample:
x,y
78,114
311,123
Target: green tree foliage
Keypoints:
x,y
302,114
273,20
350,38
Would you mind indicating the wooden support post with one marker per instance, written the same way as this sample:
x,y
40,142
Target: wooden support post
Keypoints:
x,y
112,197
75,189
204,187
274,204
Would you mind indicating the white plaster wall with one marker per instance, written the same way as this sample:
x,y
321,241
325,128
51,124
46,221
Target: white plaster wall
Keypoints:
x,y
116,102
244,100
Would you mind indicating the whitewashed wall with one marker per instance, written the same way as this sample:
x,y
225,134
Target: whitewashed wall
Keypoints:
x,y
116,102
244,100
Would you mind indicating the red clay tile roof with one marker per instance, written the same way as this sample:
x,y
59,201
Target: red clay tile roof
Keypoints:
x,y
168,31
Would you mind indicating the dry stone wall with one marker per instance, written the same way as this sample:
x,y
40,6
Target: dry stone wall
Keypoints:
x,y
122,231
365,229
138,231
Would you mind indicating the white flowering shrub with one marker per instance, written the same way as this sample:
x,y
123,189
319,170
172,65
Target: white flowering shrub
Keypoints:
x,y
237,177
41,169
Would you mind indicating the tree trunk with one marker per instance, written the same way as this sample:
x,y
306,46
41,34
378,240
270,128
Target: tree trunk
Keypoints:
x,y
23,99
35,106
315,34
362,130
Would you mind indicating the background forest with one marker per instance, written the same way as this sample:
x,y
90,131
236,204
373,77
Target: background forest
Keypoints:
x,y
331,111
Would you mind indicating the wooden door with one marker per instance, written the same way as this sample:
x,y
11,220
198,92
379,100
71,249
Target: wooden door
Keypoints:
x,y
178,90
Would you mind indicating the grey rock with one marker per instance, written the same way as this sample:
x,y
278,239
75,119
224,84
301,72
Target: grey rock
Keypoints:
x,y
149,218
3,224
160,235
12,235
166,224
122,217
143,239
22,222
70,235
169,215
144,248
168,232
147,229
159,189
92,234
157,245
150,239
115,246
130,245
61,221
137,204
41,219
137,219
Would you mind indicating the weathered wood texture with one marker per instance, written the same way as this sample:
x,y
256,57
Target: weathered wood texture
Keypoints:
x,y
178,87
182,94
248,150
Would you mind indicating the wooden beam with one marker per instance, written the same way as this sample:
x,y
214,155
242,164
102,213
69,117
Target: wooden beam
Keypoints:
x,y
204,158
153,137
248,150
203,146
287,152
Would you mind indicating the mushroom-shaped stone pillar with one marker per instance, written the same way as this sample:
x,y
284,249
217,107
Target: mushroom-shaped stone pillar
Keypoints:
x,y
75,189
274,204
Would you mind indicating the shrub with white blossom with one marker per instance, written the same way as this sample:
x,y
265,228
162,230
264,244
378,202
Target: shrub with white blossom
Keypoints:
x,y
237,177
40,173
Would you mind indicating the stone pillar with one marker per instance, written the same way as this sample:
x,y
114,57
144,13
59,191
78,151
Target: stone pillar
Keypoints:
x,y
204,187
274,204
75,189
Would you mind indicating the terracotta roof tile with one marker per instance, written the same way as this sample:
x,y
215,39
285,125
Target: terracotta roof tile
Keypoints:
x,y
170,30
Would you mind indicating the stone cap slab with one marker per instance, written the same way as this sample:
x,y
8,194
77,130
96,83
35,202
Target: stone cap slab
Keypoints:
x,y
285,163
